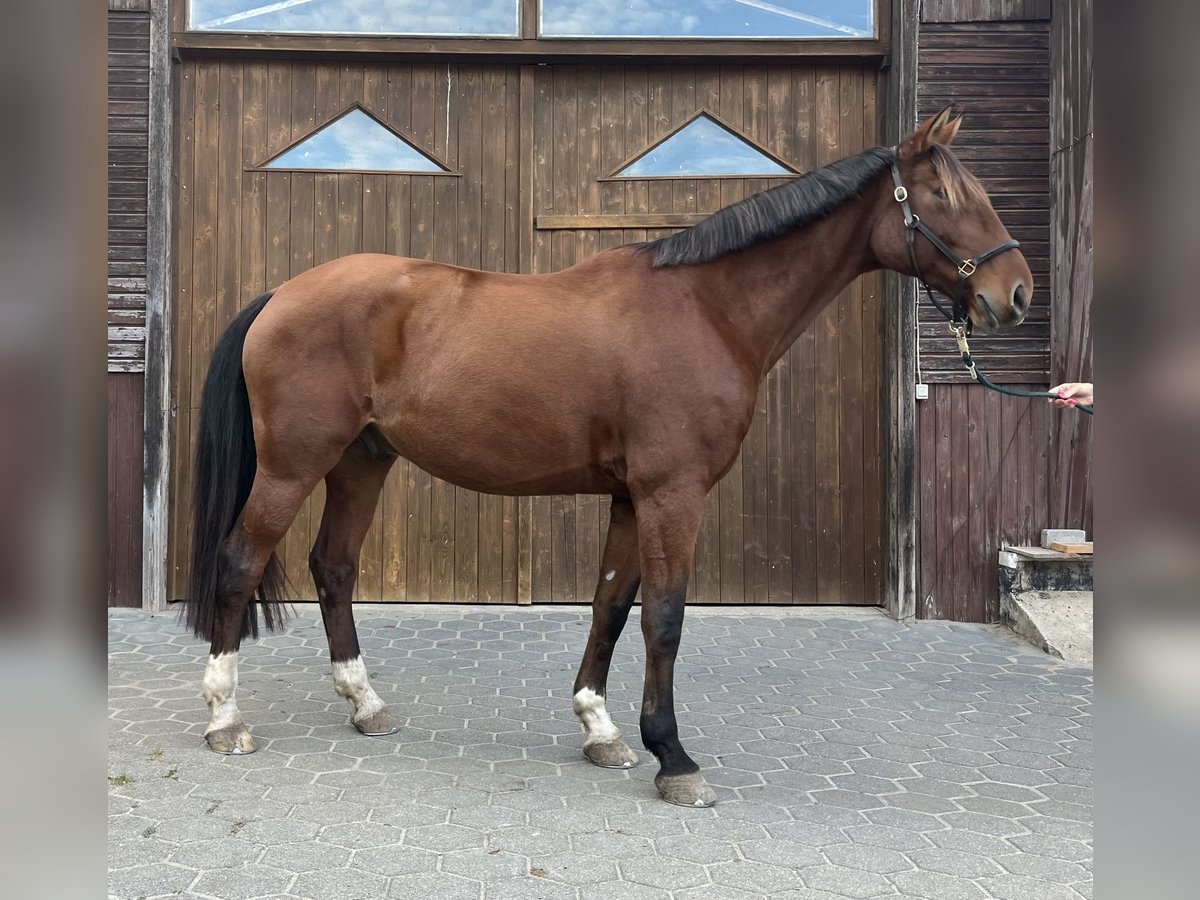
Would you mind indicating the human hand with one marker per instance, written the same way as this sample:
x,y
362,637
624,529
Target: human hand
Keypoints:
x,y
1073,393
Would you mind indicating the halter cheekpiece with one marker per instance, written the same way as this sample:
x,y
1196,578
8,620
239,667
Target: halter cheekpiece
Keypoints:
x,y
957,317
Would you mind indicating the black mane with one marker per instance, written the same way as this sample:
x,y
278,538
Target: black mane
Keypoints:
x,y
772,213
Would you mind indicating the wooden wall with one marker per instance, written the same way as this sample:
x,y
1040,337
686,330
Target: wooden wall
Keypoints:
x,y
998,75
798,518
1071,256
240,232
985,10
798,521
984,459
128,122
125,425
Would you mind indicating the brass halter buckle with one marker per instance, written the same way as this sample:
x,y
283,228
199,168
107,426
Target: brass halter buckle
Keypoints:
x,y
967,269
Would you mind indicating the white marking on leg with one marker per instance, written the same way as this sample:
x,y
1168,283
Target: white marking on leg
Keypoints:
x,y
609,576
351,681
597,725
219,685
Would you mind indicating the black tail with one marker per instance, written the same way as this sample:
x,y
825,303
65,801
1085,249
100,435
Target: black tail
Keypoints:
x,y
223,475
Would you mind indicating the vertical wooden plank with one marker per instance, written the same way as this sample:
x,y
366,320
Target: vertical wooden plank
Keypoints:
x,y
589,137
707,199
804,523
445,229
855,393
254,193
873,413
420,535
468,97
828,377
396,110
376,555
730,491
182,349
300,221
755,449
980,547
780,131
545,164
203,249
943,495
229,183
566,200
489,143
637,139
661,122
962,556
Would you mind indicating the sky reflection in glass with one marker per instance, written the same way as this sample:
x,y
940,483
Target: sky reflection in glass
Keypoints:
x,y
355,143
426,17
702,147
709,18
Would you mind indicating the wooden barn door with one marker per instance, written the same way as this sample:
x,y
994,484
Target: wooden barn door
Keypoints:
x,y
241,232
797,520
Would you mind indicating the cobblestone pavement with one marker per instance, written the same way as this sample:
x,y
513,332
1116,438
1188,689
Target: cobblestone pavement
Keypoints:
x,y
852,757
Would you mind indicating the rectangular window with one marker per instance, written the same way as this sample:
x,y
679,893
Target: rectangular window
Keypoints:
x,y
708,19
428,18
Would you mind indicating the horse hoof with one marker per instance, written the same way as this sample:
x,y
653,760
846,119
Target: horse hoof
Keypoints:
x,y
685,790
379,724
232,740
613,755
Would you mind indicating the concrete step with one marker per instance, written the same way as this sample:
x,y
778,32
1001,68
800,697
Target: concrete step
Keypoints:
x,y
1058,622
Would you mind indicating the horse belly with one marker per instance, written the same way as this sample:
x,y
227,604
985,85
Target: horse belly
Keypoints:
x,y
500,448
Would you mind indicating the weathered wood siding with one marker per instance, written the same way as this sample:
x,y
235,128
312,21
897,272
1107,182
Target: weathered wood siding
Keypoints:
x,y
985,10
242,232
128,124
1071,256
984,483
984,459
125,417
998,75
798,520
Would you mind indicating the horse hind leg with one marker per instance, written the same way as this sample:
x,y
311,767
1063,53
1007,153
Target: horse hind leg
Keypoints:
x,y
241,562
352,491
620,574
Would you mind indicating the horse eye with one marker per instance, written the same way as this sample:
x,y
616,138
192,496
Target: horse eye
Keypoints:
x,y
941,194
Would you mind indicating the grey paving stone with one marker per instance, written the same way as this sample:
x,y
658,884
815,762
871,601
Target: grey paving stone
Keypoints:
x,y
243,882
845,882
852,757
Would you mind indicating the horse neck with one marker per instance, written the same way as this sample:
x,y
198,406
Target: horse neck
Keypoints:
x,y
766,296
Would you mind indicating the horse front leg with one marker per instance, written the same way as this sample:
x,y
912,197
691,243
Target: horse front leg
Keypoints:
x,y
352,492
668,521
620,574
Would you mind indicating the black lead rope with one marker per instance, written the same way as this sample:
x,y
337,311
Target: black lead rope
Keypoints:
x,y
960,323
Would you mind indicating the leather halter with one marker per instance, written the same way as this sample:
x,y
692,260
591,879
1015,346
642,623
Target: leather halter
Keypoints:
x,y
958,317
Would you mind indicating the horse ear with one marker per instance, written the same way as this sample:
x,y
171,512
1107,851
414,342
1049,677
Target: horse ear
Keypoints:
x,y
939,129
949,130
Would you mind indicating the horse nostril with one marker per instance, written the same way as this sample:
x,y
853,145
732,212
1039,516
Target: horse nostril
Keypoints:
x,y
1020,299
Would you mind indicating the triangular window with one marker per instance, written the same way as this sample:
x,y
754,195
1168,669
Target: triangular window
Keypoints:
x,y
356,142
704,147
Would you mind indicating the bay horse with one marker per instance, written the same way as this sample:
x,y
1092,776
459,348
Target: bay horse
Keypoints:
x,y
633,374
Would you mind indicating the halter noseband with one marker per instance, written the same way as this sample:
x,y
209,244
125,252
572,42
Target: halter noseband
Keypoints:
x,y
960,323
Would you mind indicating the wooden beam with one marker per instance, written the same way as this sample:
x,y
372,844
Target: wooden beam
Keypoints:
x,y
899,376
156,469
632,220
398,49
